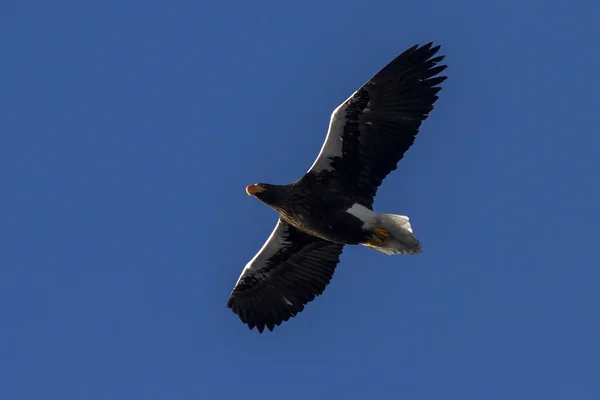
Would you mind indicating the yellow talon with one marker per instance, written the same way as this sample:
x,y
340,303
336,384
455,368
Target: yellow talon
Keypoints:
x,y
378,237
383,233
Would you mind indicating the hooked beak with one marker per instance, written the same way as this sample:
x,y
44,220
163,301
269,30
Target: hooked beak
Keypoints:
x,y
253,189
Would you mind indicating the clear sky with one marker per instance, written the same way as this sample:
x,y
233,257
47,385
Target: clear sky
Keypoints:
x,y
129,130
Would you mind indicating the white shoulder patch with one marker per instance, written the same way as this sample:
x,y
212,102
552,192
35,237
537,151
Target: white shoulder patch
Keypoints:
x,y
332,146
273,244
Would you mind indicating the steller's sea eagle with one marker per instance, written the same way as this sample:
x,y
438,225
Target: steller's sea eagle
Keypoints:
x,y
332,204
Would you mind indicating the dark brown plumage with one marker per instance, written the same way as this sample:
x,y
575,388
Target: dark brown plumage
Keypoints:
x,y
331,205
300,270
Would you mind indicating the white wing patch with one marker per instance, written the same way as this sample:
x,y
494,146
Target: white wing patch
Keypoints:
x,y
274,243
332,146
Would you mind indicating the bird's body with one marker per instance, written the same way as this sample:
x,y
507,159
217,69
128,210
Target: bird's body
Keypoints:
x,y
326,218
332,204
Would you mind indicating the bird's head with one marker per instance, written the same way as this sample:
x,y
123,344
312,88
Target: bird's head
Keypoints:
x,y
267,193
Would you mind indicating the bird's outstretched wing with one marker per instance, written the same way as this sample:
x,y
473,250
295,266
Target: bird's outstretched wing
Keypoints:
x,y
288,272
370,131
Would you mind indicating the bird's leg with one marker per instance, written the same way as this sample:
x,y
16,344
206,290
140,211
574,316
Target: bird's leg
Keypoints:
x,y
378,236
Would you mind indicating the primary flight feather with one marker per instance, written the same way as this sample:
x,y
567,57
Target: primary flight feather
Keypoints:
x,y
332,204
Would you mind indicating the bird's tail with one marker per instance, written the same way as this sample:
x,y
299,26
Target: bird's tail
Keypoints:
x,y
393,234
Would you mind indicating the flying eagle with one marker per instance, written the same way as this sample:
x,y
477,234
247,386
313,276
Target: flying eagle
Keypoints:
x,y
332,204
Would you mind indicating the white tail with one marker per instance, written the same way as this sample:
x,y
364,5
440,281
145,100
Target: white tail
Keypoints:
x,y
401,239
398,239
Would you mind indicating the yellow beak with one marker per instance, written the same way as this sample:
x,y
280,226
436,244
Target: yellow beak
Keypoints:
x,y
253,189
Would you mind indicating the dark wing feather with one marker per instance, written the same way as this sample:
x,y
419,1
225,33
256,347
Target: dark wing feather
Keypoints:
x,y
287,273
370,132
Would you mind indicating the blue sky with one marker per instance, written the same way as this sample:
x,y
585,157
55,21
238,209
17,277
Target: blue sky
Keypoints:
x,y
129,131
